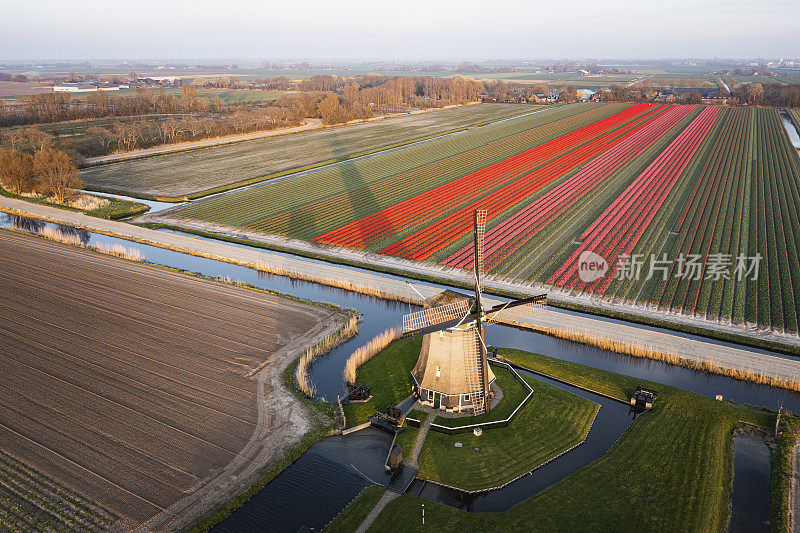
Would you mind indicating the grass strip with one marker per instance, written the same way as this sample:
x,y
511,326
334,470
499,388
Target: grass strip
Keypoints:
x,y
355,513
116,209
782,472
388,375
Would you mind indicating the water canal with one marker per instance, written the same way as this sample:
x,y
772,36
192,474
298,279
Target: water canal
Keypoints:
x,y
750,493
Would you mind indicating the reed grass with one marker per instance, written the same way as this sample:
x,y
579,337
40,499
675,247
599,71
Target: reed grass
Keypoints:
x,y
649,352
346,332
367,352
116,250
369,290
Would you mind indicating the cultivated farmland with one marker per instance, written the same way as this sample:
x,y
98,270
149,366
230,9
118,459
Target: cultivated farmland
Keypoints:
x,y
127,383
180,174
653,189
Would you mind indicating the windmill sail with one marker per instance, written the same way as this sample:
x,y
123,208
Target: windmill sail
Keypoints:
x,y
516,313
480,231
434,316
473,369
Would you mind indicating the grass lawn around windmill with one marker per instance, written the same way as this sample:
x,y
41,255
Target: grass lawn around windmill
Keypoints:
x,y
684,486
388,375
551,422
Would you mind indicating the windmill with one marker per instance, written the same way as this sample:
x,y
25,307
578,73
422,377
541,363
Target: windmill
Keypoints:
x,y
453,372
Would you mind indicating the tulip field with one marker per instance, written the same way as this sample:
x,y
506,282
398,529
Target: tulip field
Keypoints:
x,y
695,210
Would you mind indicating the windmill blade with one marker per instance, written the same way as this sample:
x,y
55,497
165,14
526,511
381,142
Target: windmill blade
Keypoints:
x,y
480,231
456,322
539,298
521,312
436,316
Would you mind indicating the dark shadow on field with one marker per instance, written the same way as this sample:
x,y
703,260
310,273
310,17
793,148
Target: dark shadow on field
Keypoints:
x,y
362,200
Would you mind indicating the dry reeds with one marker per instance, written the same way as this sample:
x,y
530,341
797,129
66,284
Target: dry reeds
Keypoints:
x,y
348,331
55,234
367,352
648,352
117,250
74,239
369,290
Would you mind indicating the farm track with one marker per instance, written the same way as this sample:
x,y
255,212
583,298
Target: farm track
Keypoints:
x,y
626,333
127,382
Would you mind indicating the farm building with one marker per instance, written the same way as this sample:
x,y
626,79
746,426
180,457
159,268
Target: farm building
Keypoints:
x,y
84,87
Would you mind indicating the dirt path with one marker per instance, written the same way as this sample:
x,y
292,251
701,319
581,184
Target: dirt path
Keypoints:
x,y
413,459
377,510
700,350
311,123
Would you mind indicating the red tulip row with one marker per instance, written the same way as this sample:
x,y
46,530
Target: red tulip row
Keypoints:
x,y
427,167
433,237
618,229
511,234
465,189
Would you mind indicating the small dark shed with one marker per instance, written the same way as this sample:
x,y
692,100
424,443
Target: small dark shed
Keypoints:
x,y
643,399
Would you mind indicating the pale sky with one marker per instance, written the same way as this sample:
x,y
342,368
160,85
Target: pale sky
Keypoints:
x,y
402,30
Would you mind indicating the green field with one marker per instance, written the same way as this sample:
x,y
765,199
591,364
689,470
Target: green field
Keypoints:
x,y
549,423
75,130
180,174
684,486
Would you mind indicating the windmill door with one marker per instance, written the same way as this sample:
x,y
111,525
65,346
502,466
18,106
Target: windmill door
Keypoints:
x,y
437,400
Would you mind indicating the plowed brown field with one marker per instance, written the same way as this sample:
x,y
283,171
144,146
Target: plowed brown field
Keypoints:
x,y
127,382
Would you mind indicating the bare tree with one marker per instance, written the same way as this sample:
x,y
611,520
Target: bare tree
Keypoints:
x,y
103,136
16,171
57,175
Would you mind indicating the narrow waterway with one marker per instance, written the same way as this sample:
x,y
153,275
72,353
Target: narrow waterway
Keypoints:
x,y
750,493
791,130
316,487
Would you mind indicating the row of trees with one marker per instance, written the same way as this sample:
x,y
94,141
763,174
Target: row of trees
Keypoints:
x,y
60,106
48,171
145,132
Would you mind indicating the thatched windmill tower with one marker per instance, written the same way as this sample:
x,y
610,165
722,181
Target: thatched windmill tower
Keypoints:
x,y
452,372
